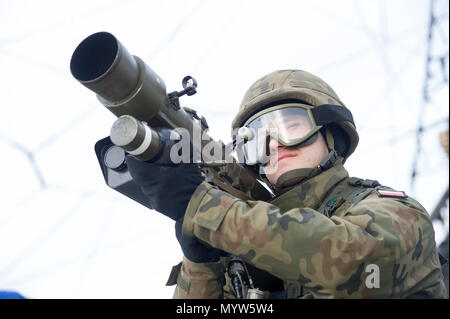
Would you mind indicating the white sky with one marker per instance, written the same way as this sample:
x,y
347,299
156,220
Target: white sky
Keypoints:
x,y
65,234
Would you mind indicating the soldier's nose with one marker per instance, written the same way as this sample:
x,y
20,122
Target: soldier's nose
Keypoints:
x,y
274,145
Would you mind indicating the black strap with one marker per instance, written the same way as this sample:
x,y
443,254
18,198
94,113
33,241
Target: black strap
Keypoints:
x,y
442,259
355,181
330,113
174,275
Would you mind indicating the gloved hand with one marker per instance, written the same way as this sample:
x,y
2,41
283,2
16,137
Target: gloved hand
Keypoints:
x,y
169,189
194,250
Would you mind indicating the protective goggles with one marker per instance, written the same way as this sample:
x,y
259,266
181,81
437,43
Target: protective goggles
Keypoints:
x,y
291,124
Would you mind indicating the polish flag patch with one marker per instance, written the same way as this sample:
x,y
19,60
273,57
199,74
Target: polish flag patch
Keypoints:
x,y
386,193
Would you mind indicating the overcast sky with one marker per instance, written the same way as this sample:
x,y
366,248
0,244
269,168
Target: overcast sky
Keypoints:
x,y
65,234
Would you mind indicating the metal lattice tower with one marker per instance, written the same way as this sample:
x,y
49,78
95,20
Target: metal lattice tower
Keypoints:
x,y
436,71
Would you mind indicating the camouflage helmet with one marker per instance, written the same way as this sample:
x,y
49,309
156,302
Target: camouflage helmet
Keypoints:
x,y
292,85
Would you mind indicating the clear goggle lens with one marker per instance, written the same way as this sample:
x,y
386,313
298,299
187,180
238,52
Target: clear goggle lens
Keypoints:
x,y
290,125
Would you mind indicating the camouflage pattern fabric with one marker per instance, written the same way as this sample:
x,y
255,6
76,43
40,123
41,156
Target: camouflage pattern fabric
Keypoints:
x,y
285,84
321,235
204,280
197,280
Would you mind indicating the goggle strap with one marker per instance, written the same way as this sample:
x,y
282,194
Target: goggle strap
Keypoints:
x,y
330,113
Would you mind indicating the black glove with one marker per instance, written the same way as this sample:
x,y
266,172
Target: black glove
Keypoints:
x,y
194,250
169,189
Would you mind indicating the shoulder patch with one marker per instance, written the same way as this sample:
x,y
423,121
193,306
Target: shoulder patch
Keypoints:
x,y
389,193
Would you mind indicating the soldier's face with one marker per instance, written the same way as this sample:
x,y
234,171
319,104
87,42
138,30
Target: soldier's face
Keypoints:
x,y
283,159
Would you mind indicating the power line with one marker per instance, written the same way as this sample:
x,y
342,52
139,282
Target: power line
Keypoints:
x,y
172,36
74,122
31,158
56,136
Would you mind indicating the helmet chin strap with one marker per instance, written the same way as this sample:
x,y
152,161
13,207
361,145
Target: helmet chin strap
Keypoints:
x,y
332,156
329,139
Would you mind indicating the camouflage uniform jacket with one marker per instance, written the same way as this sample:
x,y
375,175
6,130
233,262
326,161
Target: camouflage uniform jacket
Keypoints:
x,y
323,235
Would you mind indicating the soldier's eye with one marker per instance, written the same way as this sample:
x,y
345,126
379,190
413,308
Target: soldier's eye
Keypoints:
x,y
293,125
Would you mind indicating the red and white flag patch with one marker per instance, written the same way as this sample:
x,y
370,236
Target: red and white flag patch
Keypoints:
x,y
387,193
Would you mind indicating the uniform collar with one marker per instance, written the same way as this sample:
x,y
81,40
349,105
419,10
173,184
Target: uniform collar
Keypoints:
x,y
313,188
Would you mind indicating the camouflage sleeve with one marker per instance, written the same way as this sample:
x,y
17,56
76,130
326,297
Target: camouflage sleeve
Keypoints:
x,y
329,256
200,280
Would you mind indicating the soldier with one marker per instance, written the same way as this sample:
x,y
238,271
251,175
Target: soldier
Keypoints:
x,y
324,235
